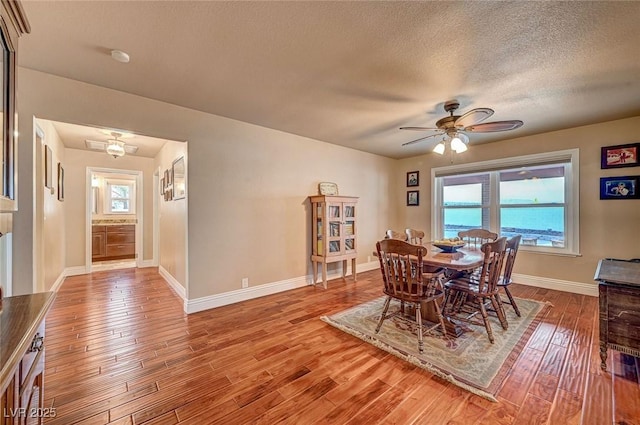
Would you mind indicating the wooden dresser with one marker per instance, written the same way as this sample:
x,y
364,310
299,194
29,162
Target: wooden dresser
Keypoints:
x,y
22,330
619,290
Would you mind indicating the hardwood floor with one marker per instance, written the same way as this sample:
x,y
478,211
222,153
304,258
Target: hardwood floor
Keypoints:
x,y
120,350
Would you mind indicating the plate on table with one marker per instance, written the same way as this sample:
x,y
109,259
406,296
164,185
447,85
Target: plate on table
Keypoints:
x,y
448,247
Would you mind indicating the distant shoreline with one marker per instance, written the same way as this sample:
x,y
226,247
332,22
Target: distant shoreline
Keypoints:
x,y
542,237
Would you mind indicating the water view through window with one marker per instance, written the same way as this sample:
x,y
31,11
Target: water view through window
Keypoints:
x,y
529,201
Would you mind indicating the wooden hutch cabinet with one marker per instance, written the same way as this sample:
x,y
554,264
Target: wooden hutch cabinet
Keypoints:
x,y
619,302
334,230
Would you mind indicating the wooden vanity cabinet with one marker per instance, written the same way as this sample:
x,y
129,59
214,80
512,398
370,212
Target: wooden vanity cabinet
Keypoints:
x,y
98,242
113,242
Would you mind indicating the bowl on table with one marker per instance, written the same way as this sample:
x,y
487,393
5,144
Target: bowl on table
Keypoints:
x,y
448,246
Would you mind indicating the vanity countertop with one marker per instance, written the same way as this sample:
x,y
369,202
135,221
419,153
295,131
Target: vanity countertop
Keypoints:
x,y
113,221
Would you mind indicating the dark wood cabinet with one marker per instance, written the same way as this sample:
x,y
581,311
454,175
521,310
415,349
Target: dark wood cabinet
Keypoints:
x,y
98,242
113,242
22,359
619,291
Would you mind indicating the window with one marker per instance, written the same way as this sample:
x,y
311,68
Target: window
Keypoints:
x,y
120,197
535,196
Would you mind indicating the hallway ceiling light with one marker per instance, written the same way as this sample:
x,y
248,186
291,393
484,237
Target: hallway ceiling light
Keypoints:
x,y
115,147
111,146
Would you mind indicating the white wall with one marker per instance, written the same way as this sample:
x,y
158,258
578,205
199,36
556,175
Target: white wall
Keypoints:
x,y
248,211
173,219
50,258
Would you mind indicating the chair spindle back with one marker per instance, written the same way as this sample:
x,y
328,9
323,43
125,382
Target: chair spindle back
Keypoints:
x,y
414,236
477,237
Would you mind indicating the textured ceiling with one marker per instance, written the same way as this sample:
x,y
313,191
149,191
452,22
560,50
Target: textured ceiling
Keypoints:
x,y
351,73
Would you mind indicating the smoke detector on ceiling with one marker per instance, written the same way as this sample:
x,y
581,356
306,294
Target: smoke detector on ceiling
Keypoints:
x,y
120,56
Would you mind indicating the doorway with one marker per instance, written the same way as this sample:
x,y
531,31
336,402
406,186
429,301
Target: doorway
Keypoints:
x,y
114,219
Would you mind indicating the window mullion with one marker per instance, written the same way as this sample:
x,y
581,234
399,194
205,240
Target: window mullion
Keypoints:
x,y
494,202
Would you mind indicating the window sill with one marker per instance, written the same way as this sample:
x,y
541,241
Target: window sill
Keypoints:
x,y
539,251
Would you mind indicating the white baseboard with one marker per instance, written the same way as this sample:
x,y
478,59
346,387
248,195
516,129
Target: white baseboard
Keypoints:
x,y
56,285
75,271
174,284
371,265
243,294
146,263
557,284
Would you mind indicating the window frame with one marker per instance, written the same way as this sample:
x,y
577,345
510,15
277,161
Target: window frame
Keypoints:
x,y
132,196
571,158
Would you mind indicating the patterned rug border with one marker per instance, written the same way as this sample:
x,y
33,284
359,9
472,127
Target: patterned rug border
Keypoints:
x,y
498,380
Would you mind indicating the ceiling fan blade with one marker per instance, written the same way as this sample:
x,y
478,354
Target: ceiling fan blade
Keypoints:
x,y
490,127
420,139
420,128
473,117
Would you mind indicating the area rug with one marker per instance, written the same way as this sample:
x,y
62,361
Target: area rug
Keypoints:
x,y
469,361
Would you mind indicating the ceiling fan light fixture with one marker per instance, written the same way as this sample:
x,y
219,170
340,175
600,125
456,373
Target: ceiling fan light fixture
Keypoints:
x,y
458,145
439,148
115,148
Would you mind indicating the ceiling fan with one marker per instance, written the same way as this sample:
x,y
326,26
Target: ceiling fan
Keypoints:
x,y
455,126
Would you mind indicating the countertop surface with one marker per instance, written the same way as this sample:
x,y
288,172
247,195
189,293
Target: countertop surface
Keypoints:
x,y
113,221
20,317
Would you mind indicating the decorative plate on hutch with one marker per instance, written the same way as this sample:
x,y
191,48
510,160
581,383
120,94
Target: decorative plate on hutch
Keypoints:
x,y
328,188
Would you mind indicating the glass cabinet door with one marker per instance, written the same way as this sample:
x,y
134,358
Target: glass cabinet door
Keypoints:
x,y
349,227
334,221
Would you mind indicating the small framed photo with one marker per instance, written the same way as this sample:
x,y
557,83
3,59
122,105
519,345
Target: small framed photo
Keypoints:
x,y
60,182
620,156
48,167
413,178
619,187
413,198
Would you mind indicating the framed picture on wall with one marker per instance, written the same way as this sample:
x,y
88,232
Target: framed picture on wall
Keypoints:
x,y
60,182
413,178
179,181
619,187
620,156
48,167
413,198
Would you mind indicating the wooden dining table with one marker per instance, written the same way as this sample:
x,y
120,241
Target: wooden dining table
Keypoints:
x,y
464,259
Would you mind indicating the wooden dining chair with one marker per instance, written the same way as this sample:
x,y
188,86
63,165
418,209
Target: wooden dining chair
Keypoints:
x,y
392,234
505,280
477,237
467,295
414,236
401,264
